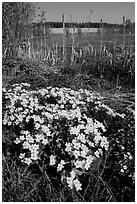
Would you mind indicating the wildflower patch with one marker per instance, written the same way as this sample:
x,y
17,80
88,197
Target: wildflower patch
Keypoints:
x,y
58,128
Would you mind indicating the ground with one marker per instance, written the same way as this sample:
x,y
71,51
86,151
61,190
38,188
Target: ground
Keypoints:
x,y
112,178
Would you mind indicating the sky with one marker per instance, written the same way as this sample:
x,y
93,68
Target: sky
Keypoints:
x,y
109,12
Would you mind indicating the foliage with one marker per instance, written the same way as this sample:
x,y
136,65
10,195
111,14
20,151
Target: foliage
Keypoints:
x,y
14,15
72,139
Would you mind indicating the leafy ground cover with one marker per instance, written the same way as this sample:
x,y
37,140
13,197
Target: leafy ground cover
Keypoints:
x,y
66,144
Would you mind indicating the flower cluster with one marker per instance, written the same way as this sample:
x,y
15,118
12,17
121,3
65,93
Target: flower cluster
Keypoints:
x,y
54,122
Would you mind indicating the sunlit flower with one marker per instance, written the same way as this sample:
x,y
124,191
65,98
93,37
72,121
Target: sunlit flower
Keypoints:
x,y
74,130
79,164
9,123
74,105
26,145
97,138
76,144
45,129
82,138
84,148
39,137
125,167
22,137
27,161
77,184
17,141
25,132
62,106
83,153
37,126
97,153
68,147
45,141
52,160
30,139
34,147
122,147
73,174
76,153
104,143
69,182
5,121
12,117
22,155
90,158
87,165
60,165
34,156
91,144
3,89
122,171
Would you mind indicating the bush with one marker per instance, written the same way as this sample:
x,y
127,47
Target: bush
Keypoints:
x,y
69,135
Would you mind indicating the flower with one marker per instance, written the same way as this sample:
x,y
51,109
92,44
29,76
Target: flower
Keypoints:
x,y
79,164
77,184
97,138
22,155
83,153
22,137
61,165
82,138
73,174
76,153
26,145
39,137
87,166
5,121
27,161
34,155
12,117
33,147
52,160
37,126
74,130
89,160
61,106
125,167
97,153
30,139
9,123
76,144
84,148
104,143
46,130
69,182
45,141
68,147
17,141
122,171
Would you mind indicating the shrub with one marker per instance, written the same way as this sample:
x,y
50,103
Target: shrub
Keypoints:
x,y
66,133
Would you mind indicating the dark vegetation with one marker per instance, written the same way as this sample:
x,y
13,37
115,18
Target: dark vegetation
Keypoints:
x,y
114,79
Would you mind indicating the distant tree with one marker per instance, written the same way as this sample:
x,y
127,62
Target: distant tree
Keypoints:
x,y
43,16
128,26
14,16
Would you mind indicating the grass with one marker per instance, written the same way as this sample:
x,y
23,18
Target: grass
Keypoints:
x,y
106,183
23,184
93,39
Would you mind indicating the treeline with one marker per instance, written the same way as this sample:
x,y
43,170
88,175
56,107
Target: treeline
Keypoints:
x,y
85,25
